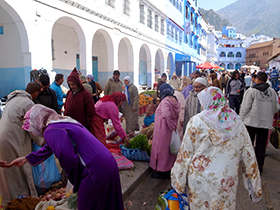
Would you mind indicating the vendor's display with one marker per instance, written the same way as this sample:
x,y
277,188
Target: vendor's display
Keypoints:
x,y
145,98
274,134
138,149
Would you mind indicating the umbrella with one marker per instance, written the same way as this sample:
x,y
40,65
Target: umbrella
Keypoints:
x,y
207,65
245,67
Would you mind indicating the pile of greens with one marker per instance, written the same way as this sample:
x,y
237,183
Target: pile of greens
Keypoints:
x,y
140,142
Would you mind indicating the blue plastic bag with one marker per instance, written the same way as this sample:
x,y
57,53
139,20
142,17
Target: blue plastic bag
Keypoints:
x,y
134,154
45,174
178,202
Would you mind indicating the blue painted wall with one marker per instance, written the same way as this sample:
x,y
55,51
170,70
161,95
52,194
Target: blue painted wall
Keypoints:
x,y
13,78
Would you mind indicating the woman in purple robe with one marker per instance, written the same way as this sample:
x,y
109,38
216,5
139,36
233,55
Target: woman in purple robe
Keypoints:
x,y
89,165
166,118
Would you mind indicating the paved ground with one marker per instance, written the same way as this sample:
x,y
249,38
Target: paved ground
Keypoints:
x,y
145,194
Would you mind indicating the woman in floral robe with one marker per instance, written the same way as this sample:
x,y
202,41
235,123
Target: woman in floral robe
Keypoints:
x,y
214,142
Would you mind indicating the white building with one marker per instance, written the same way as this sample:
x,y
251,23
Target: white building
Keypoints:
x,y
97,36
231,53
212,44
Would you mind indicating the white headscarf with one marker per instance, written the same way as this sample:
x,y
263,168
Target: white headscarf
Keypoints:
x,y
216,112
201,81
126,88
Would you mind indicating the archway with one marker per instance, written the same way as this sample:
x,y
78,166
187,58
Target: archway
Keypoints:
x,y
170,65
237,66
68,47
125,58
230,66
15,59
145,66
159,64
102,56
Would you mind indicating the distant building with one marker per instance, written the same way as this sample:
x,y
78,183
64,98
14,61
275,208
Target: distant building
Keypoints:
x,y
274,61
231,53
229,31
260,54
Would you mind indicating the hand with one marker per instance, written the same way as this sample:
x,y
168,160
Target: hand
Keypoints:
x,y
94,94
19,161
126,140
238,91
4,164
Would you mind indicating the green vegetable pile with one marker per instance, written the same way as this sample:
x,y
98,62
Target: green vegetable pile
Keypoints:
x,y
73,201
140,142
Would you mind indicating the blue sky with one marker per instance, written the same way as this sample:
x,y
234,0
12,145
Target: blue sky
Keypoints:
x,y
214,4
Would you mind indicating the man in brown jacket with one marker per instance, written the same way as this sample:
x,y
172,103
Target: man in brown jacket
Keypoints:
x,y
224,79
113,84
215,82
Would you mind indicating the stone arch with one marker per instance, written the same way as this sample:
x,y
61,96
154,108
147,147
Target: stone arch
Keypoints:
x,y
68,47
159,64
145,78
222,54
230,66
15,58
170,65
103,52
125,58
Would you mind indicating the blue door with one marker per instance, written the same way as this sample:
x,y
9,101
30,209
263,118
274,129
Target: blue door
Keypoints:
x,y
143,73
78,61
95,67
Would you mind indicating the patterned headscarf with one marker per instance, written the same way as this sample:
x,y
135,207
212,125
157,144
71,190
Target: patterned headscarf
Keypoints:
x,y
224,119
116,97
91,77
166,90
39,117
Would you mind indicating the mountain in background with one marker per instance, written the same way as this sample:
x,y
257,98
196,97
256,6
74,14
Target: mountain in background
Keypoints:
x,y
254,17
214,19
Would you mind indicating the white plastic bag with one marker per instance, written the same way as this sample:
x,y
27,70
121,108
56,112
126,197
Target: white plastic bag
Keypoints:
x,y
175,142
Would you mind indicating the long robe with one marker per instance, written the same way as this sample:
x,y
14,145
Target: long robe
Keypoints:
x,y
210,166
131,117
182,102
97,181
16,142
166,119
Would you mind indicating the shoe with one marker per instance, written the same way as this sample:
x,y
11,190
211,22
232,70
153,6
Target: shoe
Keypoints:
x,y
161,175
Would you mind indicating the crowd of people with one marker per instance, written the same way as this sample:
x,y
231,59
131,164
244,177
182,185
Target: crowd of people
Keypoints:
x,y
214,135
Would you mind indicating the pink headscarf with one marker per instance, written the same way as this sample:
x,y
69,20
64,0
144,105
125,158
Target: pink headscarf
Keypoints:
x,y
39,117
217,113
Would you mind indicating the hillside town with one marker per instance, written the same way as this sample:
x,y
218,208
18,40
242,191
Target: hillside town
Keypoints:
x,y
124,104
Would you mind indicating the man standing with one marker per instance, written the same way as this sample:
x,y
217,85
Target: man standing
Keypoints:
x,y
224,78
193,106
86,85
274,78
234,89
34,75
113,84
47,96
215,82
59,79
258,108
16,142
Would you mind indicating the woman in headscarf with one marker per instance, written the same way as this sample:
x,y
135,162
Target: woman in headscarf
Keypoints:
x,y
131,106
215,141
166,118
186,86
89,165
107,108
79,103
90,79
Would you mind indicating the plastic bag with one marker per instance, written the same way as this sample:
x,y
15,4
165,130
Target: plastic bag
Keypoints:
x,y
134,154
45,174
275,138
175,142
176,201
